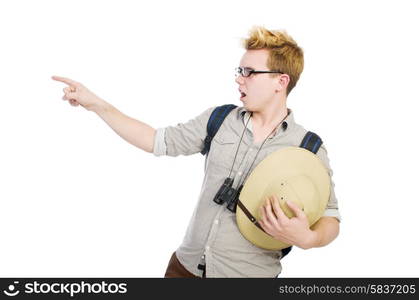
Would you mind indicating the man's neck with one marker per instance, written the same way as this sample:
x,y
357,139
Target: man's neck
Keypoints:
x,y
270,116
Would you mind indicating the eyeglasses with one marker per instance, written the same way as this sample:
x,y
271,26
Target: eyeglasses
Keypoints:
x,y
246,72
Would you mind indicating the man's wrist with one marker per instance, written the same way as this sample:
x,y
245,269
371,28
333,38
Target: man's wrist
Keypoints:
x,y
312,240
101,106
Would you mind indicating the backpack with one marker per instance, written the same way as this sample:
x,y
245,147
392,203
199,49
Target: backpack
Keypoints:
x,y
311,141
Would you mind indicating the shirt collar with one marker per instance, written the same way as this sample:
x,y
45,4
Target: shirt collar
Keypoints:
x,y
287,124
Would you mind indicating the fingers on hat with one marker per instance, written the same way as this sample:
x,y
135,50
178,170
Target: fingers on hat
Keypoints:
x,y
277,209
262,214
294,207
269,213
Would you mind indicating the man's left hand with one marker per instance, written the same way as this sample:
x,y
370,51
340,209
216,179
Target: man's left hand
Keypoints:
x,y
294,231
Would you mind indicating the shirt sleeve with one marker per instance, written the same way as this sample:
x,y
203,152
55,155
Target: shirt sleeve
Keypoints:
x,y
184,138
332,209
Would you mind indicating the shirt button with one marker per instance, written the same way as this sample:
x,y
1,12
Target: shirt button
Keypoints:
x,y
240,173
216,222
207,248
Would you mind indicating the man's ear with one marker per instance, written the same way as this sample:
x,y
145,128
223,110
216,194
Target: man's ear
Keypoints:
x,y
283,80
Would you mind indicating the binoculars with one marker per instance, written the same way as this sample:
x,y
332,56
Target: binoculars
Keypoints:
x,y
226,193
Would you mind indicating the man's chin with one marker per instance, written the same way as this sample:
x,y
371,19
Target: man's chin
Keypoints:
x,y
247,106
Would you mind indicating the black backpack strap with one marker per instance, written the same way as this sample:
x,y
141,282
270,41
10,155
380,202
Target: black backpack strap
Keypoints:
x,y
214,123
311,142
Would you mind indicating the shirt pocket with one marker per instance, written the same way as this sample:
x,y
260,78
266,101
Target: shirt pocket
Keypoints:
x,y
222,151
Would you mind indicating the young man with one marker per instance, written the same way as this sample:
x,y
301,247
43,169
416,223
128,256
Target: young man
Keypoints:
x,y
213,245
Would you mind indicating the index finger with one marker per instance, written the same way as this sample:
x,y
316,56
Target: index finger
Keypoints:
x,y
65,80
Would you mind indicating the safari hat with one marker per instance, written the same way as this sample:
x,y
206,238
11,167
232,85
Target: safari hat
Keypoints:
x,y
291,174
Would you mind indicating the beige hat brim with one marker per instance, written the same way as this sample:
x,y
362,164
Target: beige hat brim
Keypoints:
x,y
291,174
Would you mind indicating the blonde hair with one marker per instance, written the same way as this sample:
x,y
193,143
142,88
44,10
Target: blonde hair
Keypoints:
x,y
285,55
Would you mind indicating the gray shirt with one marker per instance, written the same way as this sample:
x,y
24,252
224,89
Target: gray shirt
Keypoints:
x,y
213,236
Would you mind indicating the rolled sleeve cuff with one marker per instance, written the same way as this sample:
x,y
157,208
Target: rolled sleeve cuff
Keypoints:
x,y
159,147
330,212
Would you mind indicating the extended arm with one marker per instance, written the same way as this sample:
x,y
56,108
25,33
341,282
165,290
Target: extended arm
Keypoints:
x,y
133,131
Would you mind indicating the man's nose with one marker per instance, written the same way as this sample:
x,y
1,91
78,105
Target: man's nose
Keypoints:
x,y
239,79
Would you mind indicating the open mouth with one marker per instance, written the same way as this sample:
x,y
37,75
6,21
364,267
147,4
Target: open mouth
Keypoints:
x,y
242,95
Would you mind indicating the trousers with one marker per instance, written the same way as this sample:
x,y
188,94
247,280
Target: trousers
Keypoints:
x,y
176,270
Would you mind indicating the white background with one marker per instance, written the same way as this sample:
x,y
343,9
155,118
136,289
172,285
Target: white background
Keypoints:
x,y
77,200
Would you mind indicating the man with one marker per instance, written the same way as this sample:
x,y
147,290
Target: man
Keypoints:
x,y
213,245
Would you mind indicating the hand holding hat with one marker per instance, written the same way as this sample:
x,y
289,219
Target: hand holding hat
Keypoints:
x,y
294,231
299,184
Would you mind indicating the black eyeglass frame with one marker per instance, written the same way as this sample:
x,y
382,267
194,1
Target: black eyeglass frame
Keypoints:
x,y
240,71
